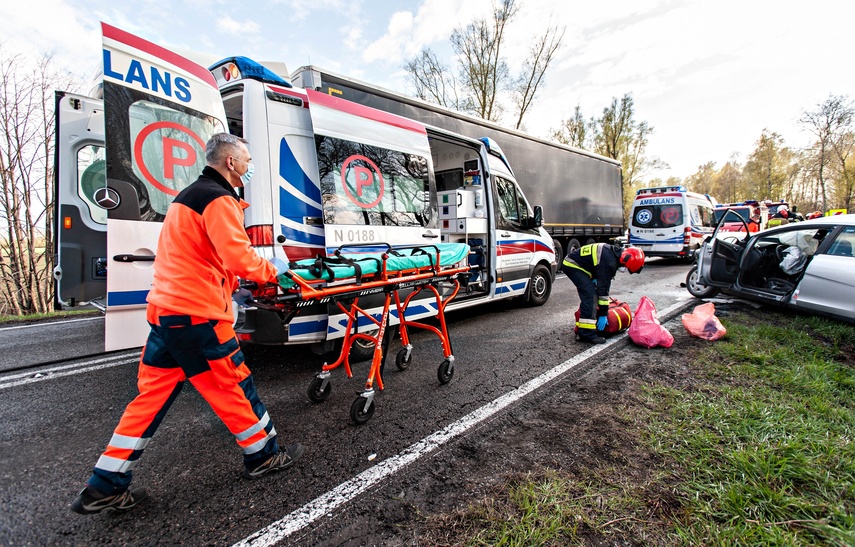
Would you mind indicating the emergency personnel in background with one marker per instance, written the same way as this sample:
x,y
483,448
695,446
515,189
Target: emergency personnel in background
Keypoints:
x,y
591,268
202,250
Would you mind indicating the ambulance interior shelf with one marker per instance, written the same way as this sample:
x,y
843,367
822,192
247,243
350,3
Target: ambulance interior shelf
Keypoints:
x,y
342,279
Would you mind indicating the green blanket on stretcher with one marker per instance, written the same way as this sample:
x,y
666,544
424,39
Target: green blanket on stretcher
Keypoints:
x,y
371,263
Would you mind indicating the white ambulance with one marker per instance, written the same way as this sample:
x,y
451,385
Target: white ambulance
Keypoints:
x,y
329,172
670,221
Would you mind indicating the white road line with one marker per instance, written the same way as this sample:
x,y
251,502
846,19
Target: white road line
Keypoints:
x,y
31,377
42,324
345,492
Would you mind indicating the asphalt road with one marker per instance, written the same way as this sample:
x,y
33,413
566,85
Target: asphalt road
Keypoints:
x,y
56,422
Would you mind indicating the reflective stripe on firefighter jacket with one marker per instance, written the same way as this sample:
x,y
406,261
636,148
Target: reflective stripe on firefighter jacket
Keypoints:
x,y
599,261
203,249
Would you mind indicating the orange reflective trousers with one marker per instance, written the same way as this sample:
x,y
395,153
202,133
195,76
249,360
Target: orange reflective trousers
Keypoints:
x,y
207,353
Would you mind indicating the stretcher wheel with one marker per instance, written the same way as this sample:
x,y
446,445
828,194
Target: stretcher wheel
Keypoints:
x,y
402,361
358,413
317,392
445,372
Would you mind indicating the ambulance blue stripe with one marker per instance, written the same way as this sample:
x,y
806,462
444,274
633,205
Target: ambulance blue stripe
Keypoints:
x,y
300,236
126,298
307,327
635,240
502,289
290,170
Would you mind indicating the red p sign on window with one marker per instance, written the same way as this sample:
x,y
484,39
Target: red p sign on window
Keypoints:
x,y
171,159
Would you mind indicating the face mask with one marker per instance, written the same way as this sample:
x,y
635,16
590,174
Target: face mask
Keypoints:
x,y
622,269
250,169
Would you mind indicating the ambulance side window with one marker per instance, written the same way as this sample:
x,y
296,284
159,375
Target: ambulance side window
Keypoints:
x,y
369,185
513,208
167,151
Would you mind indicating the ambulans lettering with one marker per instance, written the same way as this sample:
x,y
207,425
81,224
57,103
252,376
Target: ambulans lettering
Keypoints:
x,y
155,80
657,201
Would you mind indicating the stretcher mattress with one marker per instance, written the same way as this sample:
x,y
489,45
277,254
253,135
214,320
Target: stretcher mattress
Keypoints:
x,y
370,263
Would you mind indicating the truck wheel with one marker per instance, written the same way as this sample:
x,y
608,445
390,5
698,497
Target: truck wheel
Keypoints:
x,y
559,251
539,287
696,288
572,245
590,240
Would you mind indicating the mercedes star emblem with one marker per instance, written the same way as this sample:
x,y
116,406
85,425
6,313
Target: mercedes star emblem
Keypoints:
x,y
107,198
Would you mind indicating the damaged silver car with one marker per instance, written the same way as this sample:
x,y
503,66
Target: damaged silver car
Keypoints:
x,y
808,266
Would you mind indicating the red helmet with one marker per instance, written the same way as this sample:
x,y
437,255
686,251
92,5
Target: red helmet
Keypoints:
x,y
633,259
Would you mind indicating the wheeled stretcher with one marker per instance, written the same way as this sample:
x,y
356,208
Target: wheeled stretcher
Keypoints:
x,y
344,278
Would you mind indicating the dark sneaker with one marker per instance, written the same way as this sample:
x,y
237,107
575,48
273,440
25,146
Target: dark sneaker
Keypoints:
x,y
91,501
283,459
591,339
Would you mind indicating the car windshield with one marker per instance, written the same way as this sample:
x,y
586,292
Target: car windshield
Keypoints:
x,y
744,212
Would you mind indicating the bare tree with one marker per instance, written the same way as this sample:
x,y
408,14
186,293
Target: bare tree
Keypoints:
x,y
483,69
433,81
831,119
26,178
541,54
617,135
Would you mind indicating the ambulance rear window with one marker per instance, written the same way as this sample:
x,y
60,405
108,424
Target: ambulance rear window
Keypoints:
x,y
658,216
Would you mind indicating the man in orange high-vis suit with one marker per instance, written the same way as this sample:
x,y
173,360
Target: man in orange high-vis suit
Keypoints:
x,y
202,251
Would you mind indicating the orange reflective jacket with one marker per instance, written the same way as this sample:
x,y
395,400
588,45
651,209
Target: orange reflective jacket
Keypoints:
x,y
203,249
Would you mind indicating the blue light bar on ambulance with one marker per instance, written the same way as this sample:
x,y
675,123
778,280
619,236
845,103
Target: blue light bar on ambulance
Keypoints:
x,y
235,68
660,190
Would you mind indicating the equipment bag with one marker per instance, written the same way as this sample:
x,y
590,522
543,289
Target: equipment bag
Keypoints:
x,y
620,317
646,330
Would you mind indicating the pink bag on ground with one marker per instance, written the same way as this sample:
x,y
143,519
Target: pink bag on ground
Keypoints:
x,y
703,323
645,329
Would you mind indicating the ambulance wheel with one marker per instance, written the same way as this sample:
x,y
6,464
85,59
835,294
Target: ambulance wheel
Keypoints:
x,y
317,392
445,372
696,288
402,361
572,245
539,287
361,349
358,413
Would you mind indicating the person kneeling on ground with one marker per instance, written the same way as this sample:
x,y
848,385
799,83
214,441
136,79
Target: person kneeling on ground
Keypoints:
x,y
591,268
202,251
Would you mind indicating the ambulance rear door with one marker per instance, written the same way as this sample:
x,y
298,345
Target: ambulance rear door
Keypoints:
x,y
160,109
80,273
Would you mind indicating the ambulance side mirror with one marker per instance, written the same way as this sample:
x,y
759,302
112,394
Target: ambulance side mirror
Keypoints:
x,y
537,218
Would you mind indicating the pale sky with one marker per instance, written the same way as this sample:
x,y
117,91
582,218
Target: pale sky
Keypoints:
x,y
708,76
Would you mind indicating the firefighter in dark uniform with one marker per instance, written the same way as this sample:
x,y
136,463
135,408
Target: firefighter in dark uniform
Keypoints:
x,y
591,268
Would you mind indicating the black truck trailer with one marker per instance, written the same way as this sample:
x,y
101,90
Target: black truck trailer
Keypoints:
x,y
581,193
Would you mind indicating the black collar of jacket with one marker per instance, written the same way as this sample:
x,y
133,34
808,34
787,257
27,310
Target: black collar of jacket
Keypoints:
x,y
211,173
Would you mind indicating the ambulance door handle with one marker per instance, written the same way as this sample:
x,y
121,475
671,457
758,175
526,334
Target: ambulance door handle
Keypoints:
x,y
134,258
430,235
505,234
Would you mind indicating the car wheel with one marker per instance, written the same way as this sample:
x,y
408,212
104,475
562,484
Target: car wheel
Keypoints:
x,y
696,288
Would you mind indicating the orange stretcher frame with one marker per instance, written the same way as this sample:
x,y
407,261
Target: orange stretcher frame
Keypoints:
x,y
346,298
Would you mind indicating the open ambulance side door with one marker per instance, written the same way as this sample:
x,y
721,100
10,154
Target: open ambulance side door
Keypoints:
x,y
160,109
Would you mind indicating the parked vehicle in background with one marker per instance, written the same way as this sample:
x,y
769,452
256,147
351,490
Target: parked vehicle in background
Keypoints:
x,y
806,266
670,221
754,212
581,192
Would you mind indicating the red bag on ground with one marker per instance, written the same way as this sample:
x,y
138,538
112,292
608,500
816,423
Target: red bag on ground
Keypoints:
x,y
620,317
703,323
646,330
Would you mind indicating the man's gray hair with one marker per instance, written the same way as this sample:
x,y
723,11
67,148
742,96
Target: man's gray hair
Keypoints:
x,y
222,145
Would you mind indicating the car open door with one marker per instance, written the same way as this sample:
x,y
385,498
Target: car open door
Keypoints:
x,y
80,273
160,109
718,265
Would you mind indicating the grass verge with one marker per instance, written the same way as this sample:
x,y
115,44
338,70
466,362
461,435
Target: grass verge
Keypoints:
x,y
757,449
13,319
